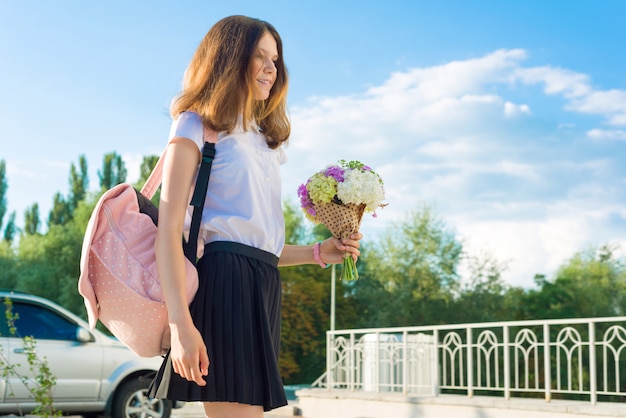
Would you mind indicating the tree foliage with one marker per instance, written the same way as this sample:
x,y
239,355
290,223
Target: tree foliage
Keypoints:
x,y
483,296
305,314
49,263
11,229
147,165
60,214
79,182
590,284
113,171
413,271
8,266
31,220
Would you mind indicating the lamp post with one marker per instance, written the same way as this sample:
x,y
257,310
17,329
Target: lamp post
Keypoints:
x,y
332,297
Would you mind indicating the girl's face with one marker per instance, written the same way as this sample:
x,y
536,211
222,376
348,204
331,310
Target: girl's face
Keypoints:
x,y
263,66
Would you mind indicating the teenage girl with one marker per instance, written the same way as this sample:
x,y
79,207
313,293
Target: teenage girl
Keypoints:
x,y
224,347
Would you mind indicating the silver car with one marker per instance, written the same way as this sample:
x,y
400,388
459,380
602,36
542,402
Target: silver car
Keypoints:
x,y
95,374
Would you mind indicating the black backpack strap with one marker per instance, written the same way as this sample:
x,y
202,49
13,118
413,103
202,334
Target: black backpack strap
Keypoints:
x,y
197,201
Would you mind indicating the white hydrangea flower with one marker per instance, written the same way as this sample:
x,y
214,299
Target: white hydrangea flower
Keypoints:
x,y
361,187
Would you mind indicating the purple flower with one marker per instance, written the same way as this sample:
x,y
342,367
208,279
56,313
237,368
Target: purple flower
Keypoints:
x,y
366,168
302,193
305,201
335,172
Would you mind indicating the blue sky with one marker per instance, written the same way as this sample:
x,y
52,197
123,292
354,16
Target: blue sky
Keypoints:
x,y
508,117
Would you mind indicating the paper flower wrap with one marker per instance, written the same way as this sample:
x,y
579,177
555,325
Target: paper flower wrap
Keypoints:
x,y
337,197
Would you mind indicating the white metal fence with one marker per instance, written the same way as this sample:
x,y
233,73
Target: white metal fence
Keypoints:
x,y
575,359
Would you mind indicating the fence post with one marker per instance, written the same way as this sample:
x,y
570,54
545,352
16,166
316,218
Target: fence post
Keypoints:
x,y
352,362
507,363
546,362
405,362
470,364
329,361
593,396
435,367
377,363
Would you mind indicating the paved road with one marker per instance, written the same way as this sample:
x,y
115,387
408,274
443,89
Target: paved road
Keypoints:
x,y
195,410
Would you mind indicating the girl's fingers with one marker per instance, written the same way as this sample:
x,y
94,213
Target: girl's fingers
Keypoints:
x,y
356,236
347,243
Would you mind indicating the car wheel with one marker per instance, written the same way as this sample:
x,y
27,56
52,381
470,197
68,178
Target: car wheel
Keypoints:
x,y
132,401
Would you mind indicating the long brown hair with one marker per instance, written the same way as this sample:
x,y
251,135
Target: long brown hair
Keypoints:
x,y
217,84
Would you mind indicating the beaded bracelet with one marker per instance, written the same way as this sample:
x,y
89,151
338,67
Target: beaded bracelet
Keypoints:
x,y
316,255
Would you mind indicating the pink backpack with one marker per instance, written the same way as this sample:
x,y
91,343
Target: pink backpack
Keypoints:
x,y
118,272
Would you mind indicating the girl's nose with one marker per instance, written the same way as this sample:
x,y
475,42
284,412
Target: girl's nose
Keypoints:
x,y
270,66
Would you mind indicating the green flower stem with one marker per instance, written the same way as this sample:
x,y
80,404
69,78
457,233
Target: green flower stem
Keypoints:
x,y
349,271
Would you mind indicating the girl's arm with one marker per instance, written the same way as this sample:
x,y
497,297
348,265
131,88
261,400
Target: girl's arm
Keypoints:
x,y
331,251
188,352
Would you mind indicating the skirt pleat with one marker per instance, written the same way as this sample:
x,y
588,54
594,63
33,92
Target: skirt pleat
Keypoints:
x,y
237,309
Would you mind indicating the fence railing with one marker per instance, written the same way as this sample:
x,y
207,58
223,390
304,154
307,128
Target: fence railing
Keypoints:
x,y
575,359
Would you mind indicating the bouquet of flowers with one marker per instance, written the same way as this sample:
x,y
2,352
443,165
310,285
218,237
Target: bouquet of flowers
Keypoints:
x,y
337,197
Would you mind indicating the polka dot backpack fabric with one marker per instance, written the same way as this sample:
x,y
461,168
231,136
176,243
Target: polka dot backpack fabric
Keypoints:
x,y
118,273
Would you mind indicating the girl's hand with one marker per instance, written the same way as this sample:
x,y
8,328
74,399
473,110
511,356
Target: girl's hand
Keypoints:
x,y
333,250
189,354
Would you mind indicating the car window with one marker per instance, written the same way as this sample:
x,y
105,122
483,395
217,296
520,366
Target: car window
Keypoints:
x,y
40,322
4,328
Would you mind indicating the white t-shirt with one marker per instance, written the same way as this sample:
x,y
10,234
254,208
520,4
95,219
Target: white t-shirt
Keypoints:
x,y
243,202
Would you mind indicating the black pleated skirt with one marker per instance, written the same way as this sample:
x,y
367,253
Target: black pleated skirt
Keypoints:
x,y
237,309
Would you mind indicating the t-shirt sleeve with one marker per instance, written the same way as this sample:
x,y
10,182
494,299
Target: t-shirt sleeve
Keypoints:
x,y
282,156
188,125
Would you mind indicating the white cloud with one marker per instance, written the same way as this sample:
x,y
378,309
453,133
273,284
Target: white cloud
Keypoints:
x,y
555,80
529,192
512,110
523,170
15,169
601,134
611,103
576,88
452,79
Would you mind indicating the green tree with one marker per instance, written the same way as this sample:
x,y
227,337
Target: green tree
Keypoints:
x,y
304,323
366,302
590,284
53,258
49,264
31,220
410,277
484,294
63,208
295,231
113,171
8,265
60,213
305,319
147,165
79,183
11,229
